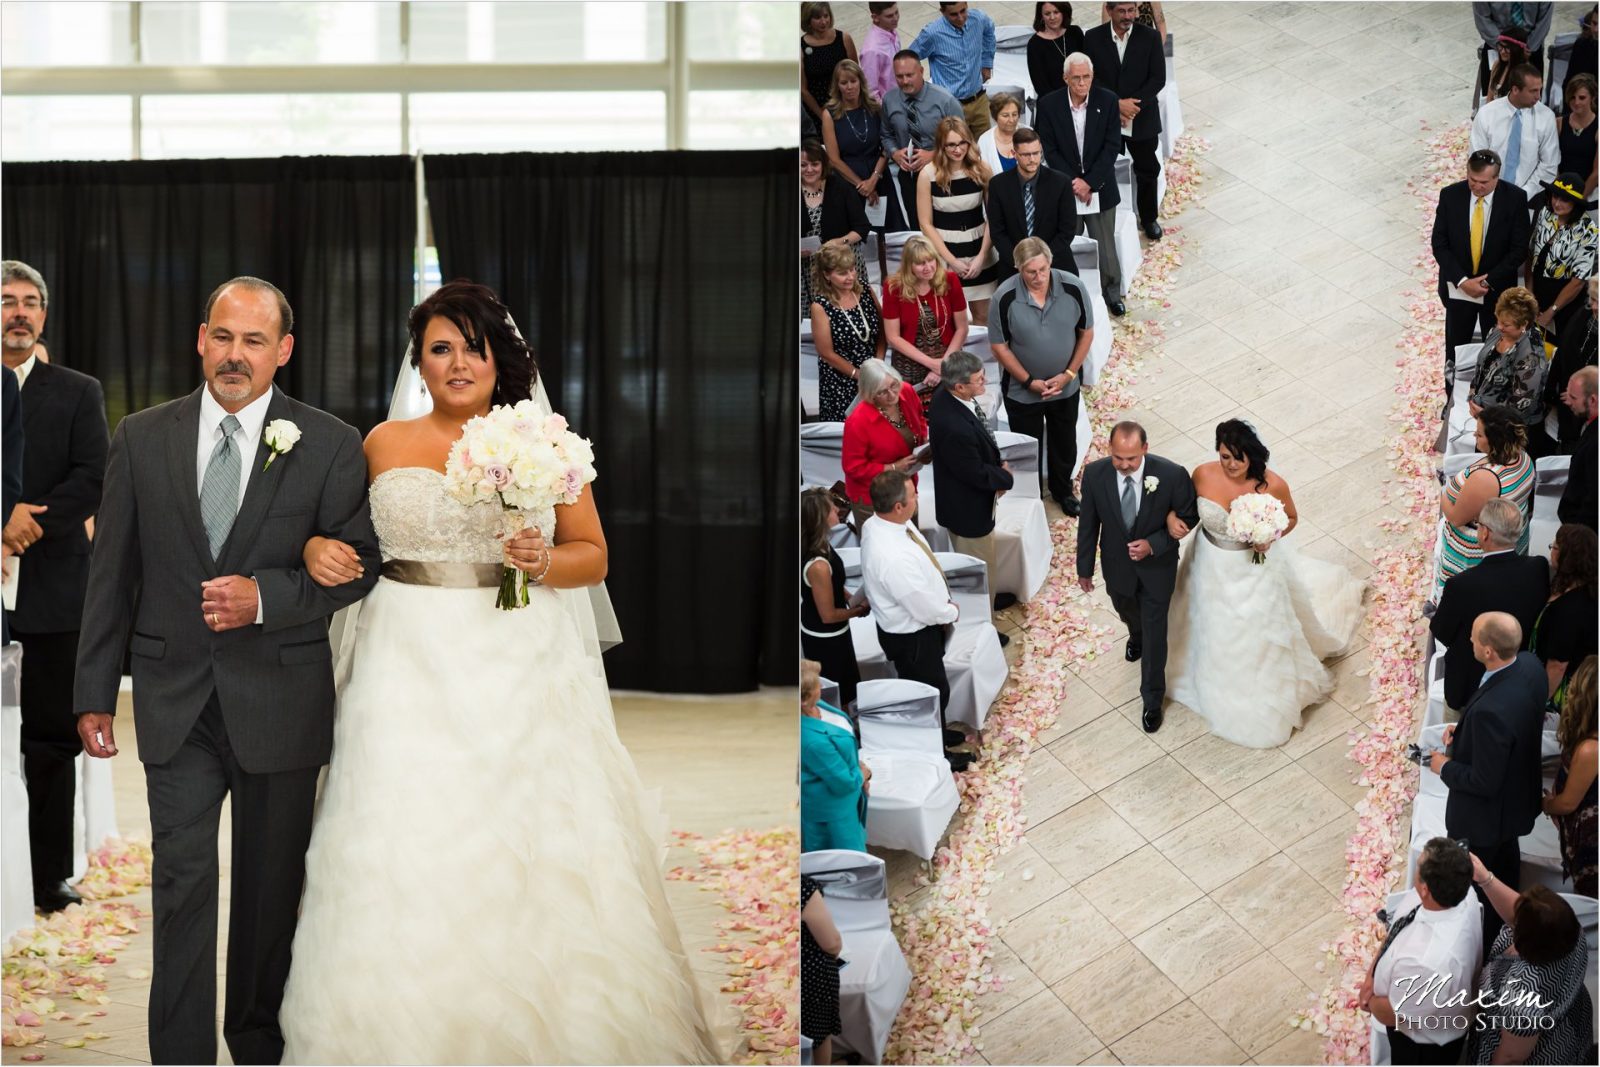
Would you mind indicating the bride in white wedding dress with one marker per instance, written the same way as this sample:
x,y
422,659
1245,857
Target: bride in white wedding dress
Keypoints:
x,y
1248,640
484,883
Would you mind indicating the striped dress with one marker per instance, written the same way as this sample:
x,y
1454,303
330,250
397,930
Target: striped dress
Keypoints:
x,y
958,216
1460,548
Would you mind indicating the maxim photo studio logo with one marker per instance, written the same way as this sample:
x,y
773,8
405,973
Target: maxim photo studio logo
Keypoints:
x,y
1420,1005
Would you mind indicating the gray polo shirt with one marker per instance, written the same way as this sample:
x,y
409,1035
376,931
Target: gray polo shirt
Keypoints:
x,y
914,120
1042,338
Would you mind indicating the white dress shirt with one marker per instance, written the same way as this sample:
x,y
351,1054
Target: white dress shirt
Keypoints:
x,y
252,417
1080,116
24,370
1432,960
1138,486
1122,57
1541,145
906,590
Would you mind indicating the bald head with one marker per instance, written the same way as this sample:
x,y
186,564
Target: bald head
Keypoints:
x,y
1496,637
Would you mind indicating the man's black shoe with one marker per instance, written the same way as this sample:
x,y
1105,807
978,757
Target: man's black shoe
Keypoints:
x,y
1152,230
55,897
1004,640
953,737
1133,651
1152,719
1069,505
960,761
1117,307
1002,601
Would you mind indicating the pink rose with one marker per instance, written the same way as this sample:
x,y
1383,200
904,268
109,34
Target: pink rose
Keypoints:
x,y
499,475
574,482
555,424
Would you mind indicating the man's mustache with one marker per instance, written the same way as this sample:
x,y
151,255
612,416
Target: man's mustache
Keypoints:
x,y
24,323
234,366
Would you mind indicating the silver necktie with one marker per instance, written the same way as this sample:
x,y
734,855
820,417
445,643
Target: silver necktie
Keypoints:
x,y
1130,511
219,491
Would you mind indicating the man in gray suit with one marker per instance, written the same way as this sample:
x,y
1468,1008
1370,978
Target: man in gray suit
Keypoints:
x,y
208,503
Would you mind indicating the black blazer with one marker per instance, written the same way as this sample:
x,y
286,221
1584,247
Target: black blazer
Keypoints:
x,y
1517,585
1505,237
843,210
1100,521
1055,217
1578,499
1102,141
1141,73
966,467
64,419
1494,770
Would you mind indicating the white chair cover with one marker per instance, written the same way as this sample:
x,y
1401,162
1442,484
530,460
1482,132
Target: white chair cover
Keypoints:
x,y
16,866
1541,856
894,242
1129,253
1022,453
1550,481
1461,427
830,692
809,390
1584,908
1086,255
820,450
94,811
1427,822
913,795
1023,549
806,1055
873,984
1010,74
1171,108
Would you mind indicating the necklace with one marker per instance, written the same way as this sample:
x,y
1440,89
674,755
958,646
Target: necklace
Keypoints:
x,y
936,304
864,331
1059,44
811,194
861,132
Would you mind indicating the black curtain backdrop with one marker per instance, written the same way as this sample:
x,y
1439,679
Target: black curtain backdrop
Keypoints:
x,y
131,250
657,292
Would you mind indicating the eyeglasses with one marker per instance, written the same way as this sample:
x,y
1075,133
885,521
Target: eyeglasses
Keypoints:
x,y
32,303
1483,157
955,144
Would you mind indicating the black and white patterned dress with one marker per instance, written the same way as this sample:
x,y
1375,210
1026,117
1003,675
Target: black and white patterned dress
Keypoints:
x,y
1558,984
819,979
959,218
855,332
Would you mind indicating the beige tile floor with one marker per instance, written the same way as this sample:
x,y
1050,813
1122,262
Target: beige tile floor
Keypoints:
x,y
720,763
1181,886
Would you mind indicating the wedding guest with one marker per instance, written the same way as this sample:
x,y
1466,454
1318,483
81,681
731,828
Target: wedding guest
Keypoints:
x,y
950,213
1532,20
911,113
1561,252
1054,39
883,432
1505,472
1436,939
1150,14
833,777
1043,327
1571,805
822,45
1510,372
830,210
1575,129
1578,499
820,946
846,327
968,470
63,467
959,48
924,315
994,145
1511,50
1575,347
852,132
1032,201
1583,58
1521,130
1130,60
878,47
910,599
825,608
1541,951
1502,581
1565,630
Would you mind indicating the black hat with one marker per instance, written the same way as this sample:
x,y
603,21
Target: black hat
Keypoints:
x,y
1569,186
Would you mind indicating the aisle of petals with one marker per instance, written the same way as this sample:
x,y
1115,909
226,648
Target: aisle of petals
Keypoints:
x,y
64,956
945,929
757,875
1401,579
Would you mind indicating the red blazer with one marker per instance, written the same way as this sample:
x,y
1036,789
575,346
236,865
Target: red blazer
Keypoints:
x,y
871,444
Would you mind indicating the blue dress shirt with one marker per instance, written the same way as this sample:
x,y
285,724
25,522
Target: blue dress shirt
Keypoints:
x,y
958,58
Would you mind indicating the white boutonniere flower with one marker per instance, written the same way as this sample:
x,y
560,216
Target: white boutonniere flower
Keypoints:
x,y
280,436
1150,483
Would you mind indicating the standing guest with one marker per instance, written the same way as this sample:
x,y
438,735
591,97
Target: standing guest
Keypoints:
x,y
1502,581
1511,50
1572,803
994,145
1078,129
820,946
1531,22
825,609
968,470
1044,324
1561,252
822,46
846,327
1575,348
64,417
1578,499
852,132
1583,58
1150,14
1575,130
1510,372
1565,630
831,211
924,316
1505,472
910,599
878,48
1054,39
1521,130
1480,237
1130,60
1541,953
959,48
950,213
1031,201
883,432
833,777
911,114
1435,940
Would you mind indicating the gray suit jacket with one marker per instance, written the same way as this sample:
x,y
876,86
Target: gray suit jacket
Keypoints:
x,y
274,682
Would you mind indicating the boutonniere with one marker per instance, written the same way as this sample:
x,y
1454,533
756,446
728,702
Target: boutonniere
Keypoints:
x,y
1150,483
280,436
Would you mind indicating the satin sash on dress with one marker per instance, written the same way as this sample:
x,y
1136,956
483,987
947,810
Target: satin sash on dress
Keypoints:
x,y
443,575
1231,546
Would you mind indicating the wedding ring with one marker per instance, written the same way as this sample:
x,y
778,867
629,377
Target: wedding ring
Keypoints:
x,y
213,618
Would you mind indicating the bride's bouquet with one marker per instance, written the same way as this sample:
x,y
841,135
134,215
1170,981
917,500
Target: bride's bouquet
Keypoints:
x,y
1257,519
524,460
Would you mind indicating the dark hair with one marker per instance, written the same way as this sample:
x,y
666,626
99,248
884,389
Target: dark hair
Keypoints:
x,y
1518,78
245,281
905,53
815,503
1446,869
484,321
1239,437
878,9
1504,432
814,152
1125,427
1517,46
888,489
1575,559
1483,159
1022,135
1543,927
1063,7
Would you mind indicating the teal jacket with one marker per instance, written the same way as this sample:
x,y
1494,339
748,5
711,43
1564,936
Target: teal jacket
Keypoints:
x,y
830,788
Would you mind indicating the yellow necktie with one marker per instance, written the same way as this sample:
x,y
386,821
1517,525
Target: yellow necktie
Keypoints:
x,y
1477,234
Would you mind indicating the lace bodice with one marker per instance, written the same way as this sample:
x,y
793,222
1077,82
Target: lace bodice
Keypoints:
x,y
1214,519
416,519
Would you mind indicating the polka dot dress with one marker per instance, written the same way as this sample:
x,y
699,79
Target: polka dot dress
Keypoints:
x,y
819,979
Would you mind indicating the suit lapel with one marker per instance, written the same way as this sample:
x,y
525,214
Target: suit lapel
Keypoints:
x,y
182,440
1144,497
259,492
35,394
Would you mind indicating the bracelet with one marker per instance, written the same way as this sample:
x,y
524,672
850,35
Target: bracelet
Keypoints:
x,y
1484,884
538,579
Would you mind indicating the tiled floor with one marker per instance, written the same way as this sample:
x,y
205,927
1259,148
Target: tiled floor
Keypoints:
x,y
1172,891
719,763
